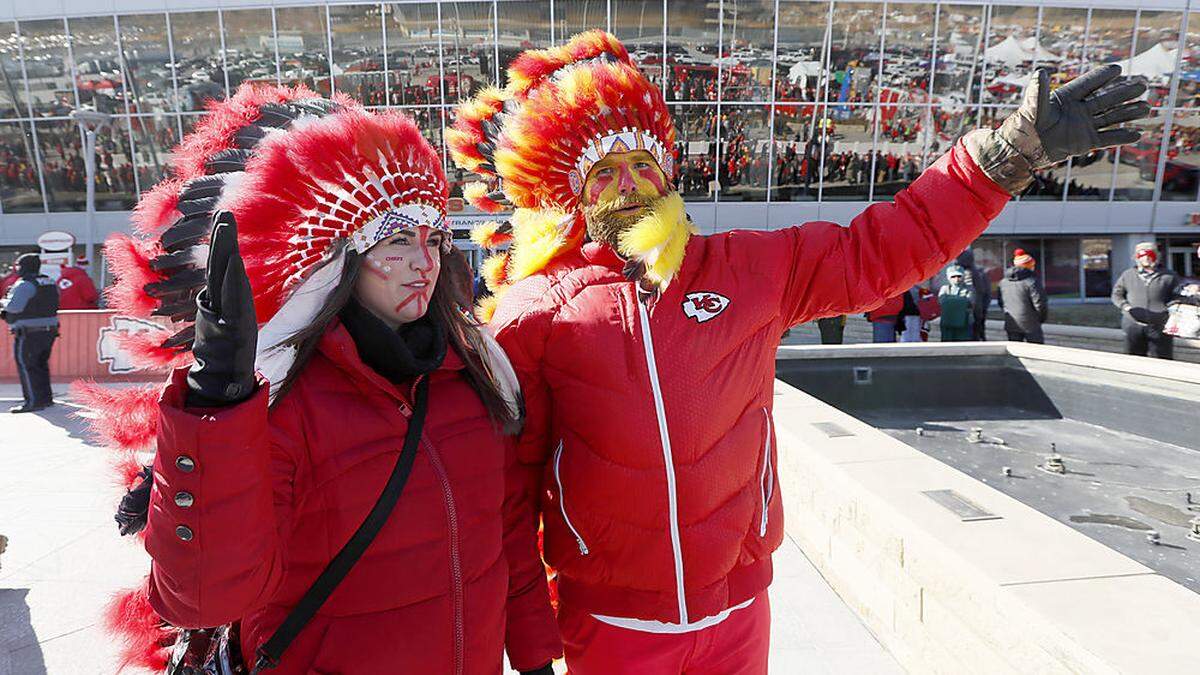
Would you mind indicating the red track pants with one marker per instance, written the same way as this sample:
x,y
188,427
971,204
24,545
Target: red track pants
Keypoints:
x,y
736,646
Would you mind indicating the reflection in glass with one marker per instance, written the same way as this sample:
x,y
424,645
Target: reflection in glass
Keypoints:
x,y
156,136
469,46
802,50
749,39
849,133
1180,175
854,52
414,75
907,49
695,148
745,150
522,24
147,60
98,77
1012,53
357,34
12,86
47,67
1188,93
65,175
904,140
797,163
1096,258
692,32
1060,267
20,191
639,25
300,33
1156,53
572,17
249,46
959,55
199,68
1137,164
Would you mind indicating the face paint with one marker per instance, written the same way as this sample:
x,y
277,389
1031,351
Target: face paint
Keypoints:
x,y
621,173
400,274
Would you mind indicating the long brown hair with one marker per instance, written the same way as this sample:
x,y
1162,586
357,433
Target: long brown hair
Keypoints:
x,y
449,306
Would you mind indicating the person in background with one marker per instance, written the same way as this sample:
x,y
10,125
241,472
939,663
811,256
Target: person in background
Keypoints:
x,y
832,329
31,310
884,318
1023,300
908,322
1142,293
957,300
9,279
76,290
977,279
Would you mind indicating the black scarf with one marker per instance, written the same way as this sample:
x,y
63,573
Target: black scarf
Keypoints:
x,y
416,348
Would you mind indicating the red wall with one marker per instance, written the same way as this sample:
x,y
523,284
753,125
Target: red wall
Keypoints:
x,y
76,352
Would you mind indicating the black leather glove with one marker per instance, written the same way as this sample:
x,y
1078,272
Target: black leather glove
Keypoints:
x,y
131,513
226,329
547,669
1049,127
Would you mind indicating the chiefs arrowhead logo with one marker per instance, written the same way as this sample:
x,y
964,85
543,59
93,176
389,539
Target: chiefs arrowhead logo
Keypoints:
x,y
704,305
108,344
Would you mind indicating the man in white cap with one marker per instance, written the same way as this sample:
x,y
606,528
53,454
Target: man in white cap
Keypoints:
x,y
1142,292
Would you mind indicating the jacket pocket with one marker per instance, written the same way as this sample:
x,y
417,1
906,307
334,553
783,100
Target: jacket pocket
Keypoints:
x,y
766,480
562,501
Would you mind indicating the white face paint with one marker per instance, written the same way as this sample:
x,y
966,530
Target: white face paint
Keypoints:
x,y
399,274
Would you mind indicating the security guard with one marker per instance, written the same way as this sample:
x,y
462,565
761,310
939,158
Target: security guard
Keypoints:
x,y
31,310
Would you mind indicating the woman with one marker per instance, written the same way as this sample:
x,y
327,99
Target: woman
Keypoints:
x,y
273,446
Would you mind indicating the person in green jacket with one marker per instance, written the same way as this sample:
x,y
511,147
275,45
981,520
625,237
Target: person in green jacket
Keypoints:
x,y
957,301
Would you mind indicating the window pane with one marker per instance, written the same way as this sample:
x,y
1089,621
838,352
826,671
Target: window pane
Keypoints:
x,y
198,64
1060,268
692,32
98,78
572,17
1012,53
745,140
907,49
147,60
854,55
12,87
1188,94
65,174
155,136
903,141
850,133
749,34
469,46
523,24
991,258
1096,257
1183,157
801,51
48,68
797,154
695,127
358,52
639,24
19,188
1138,163
1157,50
249,46
950,122
414,75
303,47
959,54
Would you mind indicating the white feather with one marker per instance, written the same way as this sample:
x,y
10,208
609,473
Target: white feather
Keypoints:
x,y
500,368
299,310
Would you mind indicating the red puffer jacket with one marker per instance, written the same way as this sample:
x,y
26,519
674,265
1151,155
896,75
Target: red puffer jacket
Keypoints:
x,y
452,579
649,438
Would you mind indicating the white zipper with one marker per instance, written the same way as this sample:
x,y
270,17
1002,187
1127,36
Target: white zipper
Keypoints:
x,y
562,502
672,501
766,481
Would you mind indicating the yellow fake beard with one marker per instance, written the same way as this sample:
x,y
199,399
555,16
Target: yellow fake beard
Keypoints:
x,y
656,240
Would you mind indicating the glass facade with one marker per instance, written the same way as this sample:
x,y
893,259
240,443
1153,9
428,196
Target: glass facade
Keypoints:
x,y
775,100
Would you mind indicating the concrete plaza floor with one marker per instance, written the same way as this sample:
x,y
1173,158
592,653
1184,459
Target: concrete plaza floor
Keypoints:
x,y
65,560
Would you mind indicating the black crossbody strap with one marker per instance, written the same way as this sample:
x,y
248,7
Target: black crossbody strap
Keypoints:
x,y
269,653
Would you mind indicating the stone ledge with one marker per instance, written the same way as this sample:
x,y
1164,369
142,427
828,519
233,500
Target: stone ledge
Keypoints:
x,y
1021,594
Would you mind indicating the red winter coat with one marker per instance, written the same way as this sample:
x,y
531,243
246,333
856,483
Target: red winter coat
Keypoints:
x,y
649,436
76,290
452,579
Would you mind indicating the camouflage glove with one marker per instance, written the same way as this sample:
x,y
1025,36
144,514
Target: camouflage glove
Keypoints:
x,y
1050,127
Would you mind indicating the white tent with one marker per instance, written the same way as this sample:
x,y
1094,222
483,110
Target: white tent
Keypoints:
x,y
1155,62
802,70
1012,52
1038,52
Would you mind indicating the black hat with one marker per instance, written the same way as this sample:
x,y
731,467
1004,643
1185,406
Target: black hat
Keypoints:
x,y
29,264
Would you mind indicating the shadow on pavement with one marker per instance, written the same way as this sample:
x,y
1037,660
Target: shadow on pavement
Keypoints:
x,y
62,414
19,648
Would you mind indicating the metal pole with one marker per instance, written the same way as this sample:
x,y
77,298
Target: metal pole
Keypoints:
x,y
89,163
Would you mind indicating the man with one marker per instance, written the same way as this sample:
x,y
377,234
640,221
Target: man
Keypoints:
x,y
31,310
646,353
1142,293
981,287
76,290
957,301
1023,300
831,328
883,319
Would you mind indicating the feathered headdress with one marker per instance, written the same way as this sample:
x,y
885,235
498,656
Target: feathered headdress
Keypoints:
x,y
564,109
306,179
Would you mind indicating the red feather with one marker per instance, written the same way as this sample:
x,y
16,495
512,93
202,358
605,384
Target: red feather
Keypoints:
x,y
121,419
129,261
155,209
145,639
146,351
